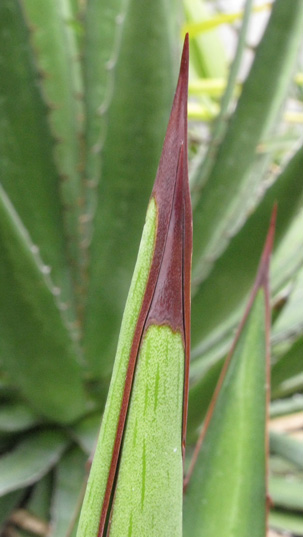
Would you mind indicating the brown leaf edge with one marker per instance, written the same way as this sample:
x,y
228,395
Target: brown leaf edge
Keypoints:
x,y
166,299
261,281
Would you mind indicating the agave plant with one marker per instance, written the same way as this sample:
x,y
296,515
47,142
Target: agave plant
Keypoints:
x,y
85,95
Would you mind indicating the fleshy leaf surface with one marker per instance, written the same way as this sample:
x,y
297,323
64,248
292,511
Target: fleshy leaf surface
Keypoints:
x,y
36,345
226,490
31,460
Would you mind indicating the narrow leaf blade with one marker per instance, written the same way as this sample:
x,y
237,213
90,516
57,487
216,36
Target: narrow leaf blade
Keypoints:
x,y
226,482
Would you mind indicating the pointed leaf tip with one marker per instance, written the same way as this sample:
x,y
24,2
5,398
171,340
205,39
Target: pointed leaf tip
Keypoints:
x,y
176,134
167,302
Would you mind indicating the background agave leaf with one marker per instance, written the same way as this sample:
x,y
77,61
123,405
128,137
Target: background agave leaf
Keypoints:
x,y
205,162
287,447
35,340
16,417
34,520
217,498
220,211
31,460
226,482
287,191
287,372
136,113
8,503
28,172
234,278
286,492
68,492
55,53
291,522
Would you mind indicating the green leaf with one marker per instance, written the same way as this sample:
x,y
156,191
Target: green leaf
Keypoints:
x,y
282,407
226,480
30,460
56,55
286,521
68,492
227,492
135,108
287,447
153,434
16,417
204,167
287,369
35,342
8,503
200,394
223,206
86,431
286,266
102,459
217,303
40,498
27,168
289,324
286,492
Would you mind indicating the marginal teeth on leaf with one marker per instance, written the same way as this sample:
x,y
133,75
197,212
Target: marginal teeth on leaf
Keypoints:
x,y
34,249
45,269
56,291
120,18
110,65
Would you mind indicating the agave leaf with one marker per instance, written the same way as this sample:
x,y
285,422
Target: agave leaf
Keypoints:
x,y
16,417
55,52
287,447
142,421
200,394
214,317
202,171
27,168
286,492
135,111
31,460
69,480
286,521
226,482
35,344
33,514
103,26
8,503
85,432
289,324
223,293
40,498
223,207
287,368
283,407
